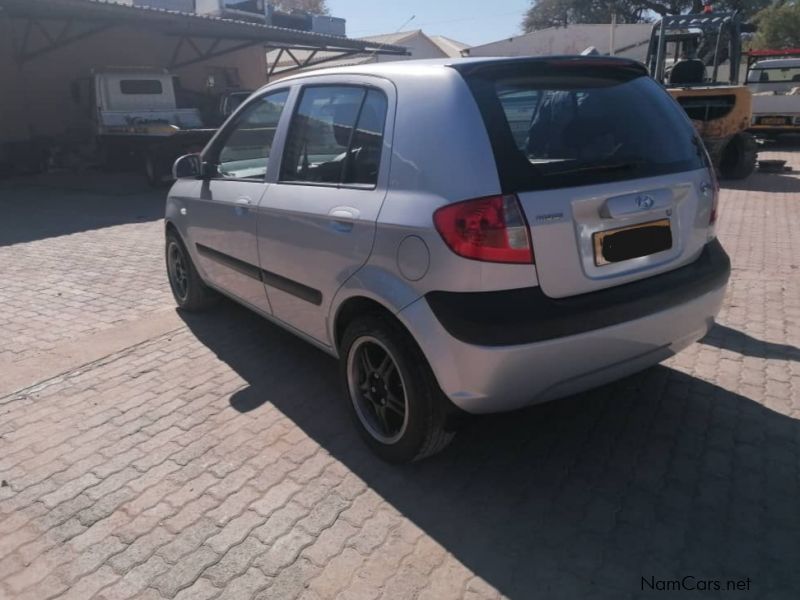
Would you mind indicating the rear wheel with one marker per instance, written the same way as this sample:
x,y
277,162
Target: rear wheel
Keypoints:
x,y
188,289
738,160
392,394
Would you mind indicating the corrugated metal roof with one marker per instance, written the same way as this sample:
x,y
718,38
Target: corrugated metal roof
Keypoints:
x,y
183,23
449,46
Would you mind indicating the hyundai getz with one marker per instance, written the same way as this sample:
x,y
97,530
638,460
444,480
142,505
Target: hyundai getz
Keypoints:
x,y
468,235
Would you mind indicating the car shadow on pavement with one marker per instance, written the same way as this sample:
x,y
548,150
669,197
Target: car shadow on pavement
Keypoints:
x,y
779,183
737,341
46,206
660,475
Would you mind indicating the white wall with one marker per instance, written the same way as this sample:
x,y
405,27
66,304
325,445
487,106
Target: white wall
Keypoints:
x,y
420,47
572,39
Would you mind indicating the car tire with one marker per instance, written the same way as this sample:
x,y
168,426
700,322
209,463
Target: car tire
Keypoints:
x,y
189,290
739,157
384,374
154,171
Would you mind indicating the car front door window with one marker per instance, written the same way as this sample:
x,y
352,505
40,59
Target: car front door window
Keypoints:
x,y
246,150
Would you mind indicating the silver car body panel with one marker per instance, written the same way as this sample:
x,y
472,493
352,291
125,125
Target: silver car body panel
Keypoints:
x,y
318,235
393,255
482,379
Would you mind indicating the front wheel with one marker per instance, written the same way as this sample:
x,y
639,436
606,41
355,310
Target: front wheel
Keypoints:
x,y
392,394
188,289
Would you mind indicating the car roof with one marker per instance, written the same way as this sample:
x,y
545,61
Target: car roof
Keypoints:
x,y
436,65
777,63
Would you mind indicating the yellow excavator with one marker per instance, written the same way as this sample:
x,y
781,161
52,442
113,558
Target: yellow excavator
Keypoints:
x,y
697,58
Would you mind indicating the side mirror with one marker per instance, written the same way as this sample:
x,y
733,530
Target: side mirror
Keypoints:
x,y
188,167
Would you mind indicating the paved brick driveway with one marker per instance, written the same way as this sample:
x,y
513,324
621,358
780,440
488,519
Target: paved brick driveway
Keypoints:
x,y
211,458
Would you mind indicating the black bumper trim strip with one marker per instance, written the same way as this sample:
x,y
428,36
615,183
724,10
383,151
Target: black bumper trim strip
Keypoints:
x,y
240,266
271,279
524,316
292,287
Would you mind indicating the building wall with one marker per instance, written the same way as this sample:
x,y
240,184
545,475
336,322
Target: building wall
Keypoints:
x,y
38,99
420,47
12,105
572,39
181,5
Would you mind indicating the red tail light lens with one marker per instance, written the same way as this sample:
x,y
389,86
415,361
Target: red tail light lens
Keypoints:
x,y
713,190
490,229
712,219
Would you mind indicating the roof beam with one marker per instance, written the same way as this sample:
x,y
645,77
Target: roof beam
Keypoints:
x,y
307,63
212,52
184,24
64,38
275,63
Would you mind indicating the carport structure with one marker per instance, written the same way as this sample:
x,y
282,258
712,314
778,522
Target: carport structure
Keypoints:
x,y
50,25
46,46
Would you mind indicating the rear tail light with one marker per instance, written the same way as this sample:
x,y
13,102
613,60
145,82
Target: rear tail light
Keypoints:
x,y
491,229
712,219
713,214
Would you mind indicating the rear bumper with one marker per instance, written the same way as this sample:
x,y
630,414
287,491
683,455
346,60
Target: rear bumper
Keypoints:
x,y
497,358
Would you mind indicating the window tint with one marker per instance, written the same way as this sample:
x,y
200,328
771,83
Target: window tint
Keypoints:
x,y
140,86
364,160
564,129
246,150
325,145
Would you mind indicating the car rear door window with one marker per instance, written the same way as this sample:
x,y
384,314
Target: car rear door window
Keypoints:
x,y
577,125
245,151
335,137
364,159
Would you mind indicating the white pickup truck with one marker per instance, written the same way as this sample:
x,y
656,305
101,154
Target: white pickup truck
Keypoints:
x,y
134,117
775,84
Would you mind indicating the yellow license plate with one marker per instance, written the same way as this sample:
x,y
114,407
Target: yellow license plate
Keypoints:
x,y
626,243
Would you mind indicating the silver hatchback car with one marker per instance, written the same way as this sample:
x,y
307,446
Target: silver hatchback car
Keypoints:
x,y
469,236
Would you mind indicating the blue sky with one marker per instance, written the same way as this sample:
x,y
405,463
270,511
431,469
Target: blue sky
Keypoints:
x,y
470,21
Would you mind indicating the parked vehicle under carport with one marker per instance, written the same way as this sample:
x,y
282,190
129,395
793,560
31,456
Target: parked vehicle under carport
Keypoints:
x,y
133,115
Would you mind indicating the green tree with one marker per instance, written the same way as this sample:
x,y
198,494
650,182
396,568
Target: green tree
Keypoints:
x,y
550,13
778,27
315,7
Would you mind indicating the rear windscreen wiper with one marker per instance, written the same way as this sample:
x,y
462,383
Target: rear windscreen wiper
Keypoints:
x,y
598,167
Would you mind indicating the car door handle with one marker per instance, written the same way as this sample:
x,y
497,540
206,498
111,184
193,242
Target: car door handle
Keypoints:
x,y
343,218
244,201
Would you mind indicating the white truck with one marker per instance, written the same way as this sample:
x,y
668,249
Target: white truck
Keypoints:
x,y
122,118
775,85
134,118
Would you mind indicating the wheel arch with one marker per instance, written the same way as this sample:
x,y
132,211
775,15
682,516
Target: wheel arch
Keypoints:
x,y
357,306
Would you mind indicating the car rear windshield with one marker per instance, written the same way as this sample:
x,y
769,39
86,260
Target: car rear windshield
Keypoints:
x,y
571,123
774,75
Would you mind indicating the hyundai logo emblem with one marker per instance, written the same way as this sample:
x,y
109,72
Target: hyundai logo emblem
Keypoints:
x,y
645,202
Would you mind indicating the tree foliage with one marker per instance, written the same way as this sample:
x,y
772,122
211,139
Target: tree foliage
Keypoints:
x,y
315,7
553,13
778,27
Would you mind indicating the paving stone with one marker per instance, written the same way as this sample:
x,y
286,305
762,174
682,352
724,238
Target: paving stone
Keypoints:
x,y
142,475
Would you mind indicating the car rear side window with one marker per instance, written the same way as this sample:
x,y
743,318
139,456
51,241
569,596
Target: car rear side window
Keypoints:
x,y
562,127
335,137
